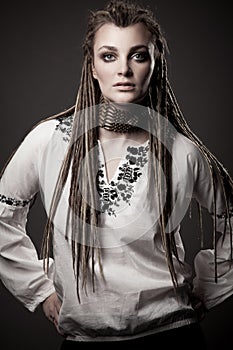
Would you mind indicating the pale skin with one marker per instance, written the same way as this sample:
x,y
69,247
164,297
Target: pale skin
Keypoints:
x,y
51,307
123,64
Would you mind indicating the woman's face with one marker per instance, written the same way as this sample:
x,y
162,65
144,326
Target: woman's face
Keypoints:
x,y
123,62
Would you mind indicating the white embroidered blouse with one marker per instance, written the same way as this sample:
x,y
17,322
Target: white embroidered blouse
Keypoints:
x,y
136,296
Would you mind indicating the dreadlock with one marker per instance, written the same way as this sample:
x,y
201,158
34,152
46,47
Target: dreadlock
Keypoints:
x,y
83,214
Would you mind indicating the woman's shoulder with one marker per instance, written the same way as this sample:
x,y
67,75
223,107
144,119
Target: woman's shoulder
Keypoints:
x,y
44,130
182,145
64,125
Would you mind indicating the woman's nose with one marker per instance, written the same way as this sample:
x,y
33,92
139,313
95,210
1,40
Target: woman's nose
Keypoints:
x,y
124,68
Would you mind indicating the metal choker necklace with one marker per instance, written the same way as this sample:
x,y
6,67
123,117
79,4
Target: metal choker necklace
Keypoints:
x,y
113,117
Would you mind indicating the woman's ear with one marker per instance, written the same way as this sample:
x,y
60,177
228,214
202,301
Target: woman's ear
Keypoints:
x,y
94,72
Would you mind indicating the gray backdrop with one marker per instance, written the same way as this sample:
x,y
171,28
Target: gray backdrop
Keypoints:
x,y
40,67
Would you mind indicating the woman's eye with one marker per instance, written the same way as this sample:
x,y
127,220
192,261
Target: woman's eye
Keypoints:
x,y
140,56
108,57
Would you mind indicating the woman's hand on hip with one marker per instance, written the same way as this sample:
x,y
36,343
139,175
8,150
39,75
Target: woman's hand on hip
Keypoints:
x,y
51,307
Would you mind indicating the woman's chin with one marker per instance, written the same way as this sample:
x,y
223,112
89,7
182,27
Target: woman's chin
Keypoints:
x,y
126,98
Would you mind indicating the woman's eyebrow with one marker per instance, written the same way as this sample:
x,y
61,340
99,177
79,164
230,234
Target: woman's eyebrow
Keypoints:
x,y
133,48
110,48
137,47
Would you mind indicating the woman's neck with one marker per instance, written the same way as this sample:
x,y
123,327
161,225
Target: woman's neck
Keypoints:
x,y
123,118
139,136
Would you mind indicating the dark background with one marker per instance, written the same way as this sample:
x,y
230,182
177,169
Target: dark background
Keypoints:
x,y
40,64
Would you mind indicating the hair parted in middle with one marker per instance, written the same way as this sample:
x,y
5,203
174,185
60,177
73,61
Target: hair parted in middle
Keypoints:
x,y
84,214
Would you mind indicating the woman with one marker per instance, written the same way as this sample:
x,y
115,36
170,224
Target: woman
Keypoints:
x,y
116,174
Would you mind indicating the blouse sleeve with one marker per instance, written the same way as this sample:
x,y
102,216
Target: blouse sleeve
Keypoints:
x,y
21,271
210,290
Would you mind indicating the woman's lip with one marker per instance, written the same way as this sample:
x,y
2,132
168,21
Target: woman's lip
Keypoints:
x,y
125,87
124,84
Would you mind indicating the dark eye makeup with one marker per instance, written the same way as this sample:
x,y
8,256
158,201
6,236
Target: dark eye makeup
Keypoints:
x,y
141,56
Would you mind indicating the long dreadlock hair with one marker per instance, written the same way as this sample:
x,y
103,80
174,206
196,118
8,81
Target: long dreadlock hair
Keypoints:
x,y
85,135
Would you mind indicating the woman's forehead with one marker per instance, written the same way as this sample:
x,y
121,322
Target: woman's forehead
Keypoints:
x,y
111,35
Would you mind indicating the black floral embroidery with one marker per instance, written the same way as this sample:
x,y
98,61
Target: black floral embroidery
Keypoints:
x,y
13,201
65,126
137,155
128,173
123,188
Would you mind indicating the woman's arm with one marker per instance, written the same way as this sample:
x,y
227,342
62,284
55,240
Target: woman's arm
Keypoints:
x,y
21,270
210,290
